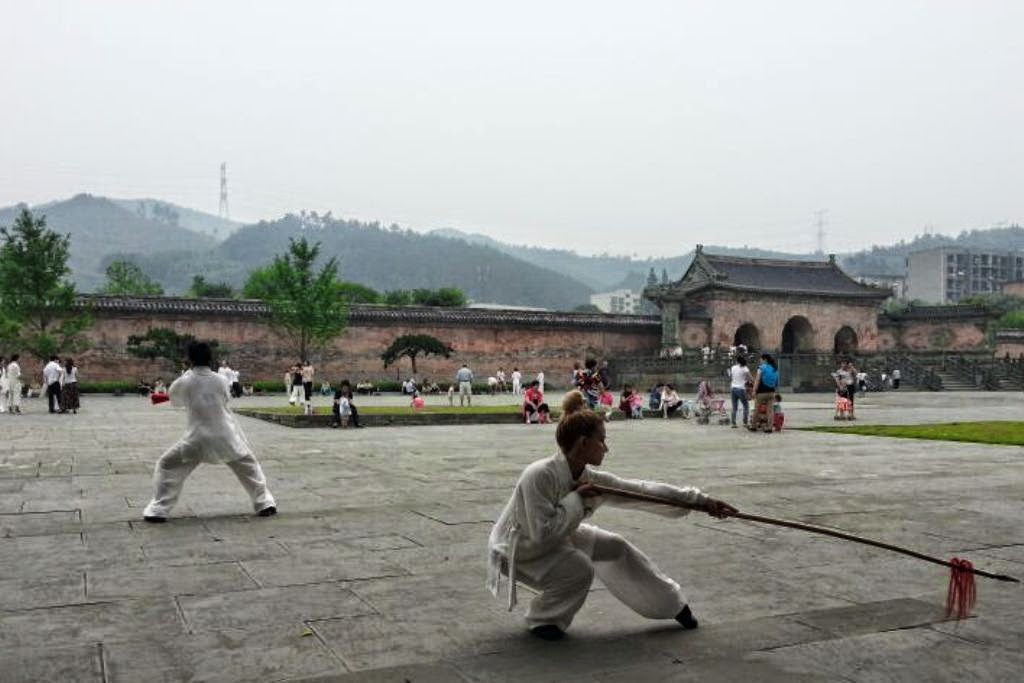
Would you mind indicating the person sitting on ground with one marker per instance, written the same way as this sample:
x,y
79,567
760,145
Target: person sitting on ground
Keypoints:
x,y
364,387
670,401
624,400
341,409
534,409
159,387
325,388
654,403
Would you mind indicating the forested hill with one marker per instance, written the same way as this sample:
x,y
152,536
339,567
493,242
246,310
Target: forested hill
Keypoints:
x,y
392,258
98,226
891,260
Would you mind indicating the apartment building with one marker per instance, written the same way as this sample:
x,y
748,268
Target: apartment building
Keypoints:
x,y
946,275
618,301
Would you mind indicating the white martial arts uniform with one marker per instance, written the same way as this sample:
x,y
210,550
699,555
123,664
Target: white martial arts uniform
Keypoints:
x,y
539,540
14,387
211,435
3,387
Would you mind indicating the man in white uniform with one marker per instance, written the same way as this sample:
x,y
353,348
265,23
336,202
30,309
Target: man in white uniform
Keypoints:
x,y
211,435
517,382
540,378
14,385
3,384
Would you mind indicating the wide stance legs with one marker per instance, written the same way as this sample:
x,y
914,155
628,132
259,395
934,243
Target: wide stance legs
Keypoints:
x,y
624,569
174,466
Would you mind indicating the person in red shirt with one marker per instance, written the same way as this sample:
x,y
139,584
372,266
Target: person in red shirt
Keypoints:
x,y
534,407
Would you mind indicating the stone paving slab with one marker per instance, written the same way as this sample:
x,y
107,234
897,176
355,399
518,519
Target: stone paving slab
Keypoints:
x,y
373,570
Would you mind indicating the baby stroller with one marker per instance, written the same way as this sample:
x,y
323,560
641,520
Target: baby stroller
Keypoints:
x,y
708,407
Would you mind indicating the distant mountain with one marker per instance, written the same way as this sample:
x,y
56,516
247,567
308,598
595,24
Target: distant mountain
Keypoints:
x,y
99,227
891,260
605,272
392,258
191,219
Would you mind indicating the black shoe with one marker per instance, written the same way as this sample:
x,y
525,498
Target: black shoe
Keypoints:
x,y
152,519
548,632
267,512
686,618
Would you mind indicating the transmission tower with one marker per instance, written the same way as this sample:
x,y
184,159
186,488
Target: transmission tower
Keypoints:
x,y
819,228
222,211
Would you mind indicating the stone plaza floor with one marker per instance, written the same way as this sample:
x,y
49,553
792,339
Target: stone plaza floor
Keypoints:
x,y
374,568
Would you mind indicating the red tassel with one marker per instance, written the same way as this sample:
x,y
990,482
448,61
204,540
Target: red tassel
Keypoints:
x,y
962,593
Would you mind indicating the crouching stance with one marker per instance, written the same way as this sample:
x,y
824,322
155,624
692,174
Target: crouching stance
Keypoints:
x,y
211,435
539,538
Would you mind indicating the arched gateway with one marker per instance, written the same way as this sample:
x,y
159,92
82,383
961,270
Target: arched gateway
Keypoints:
x,y
791,308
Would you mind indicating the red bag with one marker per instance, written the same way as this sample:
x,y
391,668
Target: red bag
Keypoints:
x,y
158,397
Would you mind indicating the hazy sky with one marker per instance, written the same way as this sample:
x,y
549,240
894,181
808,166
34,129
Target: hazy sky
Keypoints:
x,y
629,127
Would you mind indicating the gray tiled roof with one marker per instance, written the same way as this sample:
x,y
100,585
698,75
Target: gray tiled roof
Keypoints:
x,y
819,278
367,314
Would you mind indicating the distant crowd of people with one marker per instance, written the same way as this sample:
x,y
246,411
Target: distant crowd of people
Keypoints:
x,y
59,383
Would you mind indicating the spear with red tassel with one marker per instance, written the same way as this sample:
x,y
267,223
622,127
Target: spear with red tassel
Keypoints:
x,y
961,593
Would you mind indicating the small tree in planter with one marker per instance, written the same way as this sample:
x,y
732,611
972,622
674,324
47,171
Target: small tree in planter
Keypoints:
x,y
413,345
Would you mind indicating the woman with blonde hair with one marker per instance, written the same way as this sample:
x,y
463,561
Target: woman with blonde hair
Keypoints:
x,y
540,539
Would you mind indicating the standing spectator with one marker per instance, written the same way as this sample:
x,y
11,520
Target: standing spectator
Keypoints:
x,y
606,377
492,385
846,382
51,380
465,379
69,387
14,385
739,377
577,372
288,383
296,385
589,383
540,381
307,374
502,386
765,383
895,378
862,382
346,389
4,400
517,382
236,384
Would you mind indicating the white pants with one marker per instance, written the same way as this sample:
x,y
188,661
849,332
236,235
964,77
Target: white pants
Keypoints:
x,y
297,396
515,388
174,466
465,392
14,395
3,398
625,571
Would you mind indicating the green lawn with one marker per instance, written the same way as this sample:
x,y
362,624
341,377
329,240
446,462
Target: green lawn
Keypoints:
x,y
1005,433
391,410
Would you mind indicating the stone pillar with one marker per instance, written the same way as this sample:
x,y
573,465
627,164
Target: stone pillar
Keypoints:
x,y
669,324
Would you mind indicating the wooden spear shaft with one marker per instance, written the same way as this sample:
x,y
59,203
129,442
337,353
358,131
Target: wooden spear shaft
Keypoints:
x,y
806,527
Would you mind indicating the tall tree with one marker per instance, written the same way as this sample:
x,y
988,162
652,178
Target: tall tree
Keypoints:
x,y
37,300
124,277
307,307
413,345
201,289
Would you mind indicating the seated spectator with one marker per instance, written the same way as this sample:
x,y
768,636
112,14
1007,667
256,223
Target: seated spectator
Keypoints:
x,y
143,388
655,399
535,410
325,388
159,386
365,387
670,400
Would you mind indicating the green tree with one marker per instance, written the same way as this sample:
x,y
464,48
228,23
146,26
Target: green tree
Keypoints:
x,y
355,293
448,297
161,343
586,308
398,297
37,301
124,277
306,307
413,345
201,289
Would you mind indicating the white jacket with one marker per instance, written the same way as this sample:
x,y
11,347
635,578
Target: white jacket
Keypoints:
x,y
211,432
535,527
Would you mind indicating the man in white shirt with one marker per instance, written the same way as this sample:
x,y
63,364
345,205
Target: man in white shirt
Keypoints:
x,y
501,380
212,435
517,382
51,380
14,385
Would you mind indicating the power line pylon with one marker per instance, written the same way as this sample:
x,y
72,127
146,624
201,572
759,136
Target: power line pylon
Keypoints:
x,y
819,225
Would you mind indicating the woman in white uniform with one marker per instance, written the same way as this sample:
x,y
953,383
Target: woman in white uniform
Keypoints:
x,y
539,538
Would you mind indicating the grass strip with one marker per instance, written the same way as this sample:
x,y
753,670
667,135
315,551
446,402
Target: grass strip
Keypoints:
x,y
392,410
1006,433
